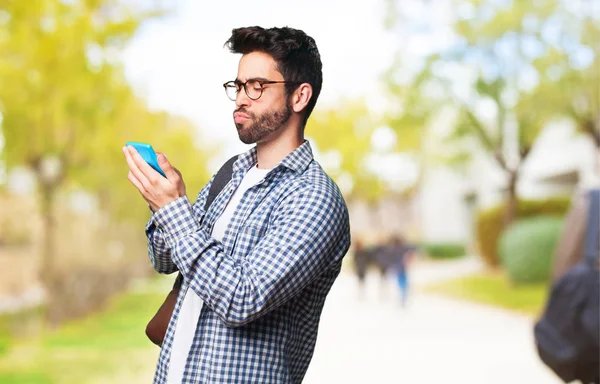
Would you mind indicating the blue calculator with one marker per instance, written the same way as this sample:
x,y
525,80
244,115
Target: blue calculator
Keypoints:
x,y
148,154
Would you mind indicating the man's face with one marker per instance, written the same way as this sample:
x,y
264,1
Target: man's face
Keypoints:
x,y
257,119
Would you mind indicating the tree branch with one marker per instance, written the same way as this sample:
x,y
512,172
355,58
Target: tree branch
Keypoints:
x,y
478,128
484,138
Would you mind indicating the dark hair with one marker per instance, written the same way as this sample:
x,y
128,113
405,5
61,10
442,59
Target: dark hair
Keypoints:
x,y
295,52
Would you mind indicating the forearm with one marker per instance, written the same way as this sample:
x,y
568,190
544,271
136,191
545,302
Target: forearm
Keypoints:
x,y
158,250
199,257
232,290
281,265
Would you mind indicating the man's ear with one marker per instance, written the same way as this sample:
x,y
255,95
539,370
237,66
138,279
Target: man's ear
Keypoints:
x,y
301,97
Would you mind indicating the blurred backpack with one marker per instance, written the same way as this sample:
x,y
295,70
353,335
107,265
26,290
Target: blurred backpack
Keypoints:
x,y
567,335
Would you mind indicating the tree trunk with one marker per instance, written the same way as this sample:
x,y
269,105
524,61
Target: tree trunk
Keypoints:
x,y
593,129
48,250
512,198
48,183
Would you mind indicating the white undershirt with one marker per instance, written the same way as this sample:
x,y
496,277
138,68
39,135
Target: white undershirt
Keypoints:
x,y
189,314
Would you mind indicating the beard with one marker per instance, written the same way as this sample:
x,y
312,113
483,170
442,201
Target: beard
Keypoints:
x,y
261,126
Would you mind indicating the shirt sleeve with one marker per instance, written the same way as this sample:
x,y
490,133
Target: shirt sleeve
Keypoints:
x,y
309,233
159,251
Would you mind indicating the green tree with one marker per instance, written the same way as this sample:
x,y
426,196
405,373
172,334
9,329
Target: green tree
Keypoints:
x,y
173,135
569,69
524,64
344,133
62,86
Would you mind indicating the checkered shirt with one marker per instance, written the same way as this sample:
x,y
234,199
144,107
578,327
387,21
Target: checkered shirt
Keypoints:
x,y
265,284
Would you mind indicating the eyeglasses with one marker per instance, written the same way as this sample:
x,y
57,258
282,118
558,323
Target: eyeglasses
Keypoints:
x,y
253,87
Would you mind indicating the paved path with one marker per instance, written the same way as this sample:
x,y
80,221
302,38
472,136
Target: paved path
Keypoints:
x,y
371,339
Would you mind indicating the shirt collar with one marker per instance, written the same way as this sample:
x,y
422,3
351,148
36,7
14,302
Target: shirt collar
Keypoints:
x,y
296,161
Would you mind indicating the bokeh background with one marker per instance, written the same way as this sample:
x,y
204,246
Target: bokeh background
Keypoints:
x,y
468,127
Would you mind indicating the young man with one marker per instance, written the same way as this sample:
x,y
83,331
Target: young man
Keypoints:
x,y
259,263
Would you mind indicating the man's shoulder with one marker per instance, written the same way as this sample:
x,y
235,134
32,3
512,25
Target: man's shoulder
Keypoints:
x,y
316,179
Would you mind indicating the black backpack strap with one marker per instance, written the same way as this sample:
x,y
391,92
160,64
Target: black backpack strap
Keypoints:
x,y
220,181
592,233
178,281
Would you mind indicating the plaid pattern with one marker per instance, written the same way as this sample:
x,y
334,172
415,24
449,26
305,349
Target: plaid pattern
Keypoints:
x,y
264,286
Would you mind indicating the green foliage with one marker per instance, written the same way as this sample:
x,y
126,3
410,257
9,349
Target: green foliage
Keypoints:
x,y
496,290
5,339
109,346
444,250
513,40
17,324
55,97
502,72
346,132
527,247
490,223
64,96
171,135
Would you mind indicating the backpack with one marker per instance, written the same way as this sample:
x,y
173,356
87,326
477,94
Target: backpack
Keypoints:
x,y
568,332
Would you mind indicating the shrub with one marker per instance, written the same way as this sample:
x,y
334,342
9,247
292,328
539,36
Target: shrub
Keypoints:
x,y
444,250
490,223
527,247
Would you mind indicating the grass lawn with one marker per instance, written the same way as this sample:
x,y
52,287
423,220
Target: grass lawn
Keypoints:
x,y
106,347
494,289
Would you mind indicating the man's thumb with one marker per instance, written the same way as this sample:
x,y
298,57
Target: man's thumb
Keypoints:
x,y
166,166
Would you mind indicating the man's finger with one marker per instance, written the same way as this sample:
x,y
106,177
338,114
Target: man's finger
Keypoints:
x,y
148,171
133,167
136,183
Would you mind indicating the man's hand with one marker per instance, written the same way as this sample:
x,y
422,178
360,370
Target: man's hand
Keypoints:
x,y
155,189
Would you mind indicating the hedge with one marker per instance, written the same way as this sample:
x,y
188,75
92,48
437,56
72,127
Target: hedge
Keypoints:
x,y
489,223
444,250
527,248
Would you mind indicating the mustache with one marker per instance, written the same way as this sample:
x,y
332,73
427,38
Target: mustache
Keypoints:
x,y
244,111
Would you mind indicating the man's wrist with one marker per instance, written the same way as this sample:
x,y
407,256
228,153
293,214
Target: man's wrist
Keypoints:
x,y
176,218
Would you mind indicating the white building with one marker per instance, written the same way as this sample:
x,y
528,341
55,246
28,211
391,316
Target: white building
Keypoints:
x,y
560,161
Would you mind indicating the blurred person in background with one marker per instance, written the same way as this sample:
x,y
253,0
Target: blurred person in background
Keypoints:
x,y
370,256
402,256
259,263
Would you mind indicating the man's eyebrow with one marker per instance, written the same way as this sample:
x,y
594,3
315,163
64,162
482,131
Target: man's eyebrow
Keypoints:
x,y
252,78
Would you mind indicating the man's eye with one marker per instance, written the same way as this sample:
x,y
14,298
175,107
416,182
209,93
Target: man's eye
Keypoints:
x,y
255,85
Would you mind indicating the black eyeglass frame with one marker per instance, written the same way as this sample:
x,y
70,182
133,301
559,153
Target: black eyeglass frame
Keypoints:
x,y
238,85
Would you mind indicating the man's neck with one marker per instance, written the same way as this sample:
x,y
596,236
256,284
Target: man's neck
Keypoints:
x,y
271,152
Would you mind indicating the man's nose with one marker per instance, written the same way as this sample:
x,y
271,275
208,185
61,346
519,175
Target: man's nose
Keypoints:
x,y
241,99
